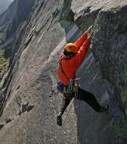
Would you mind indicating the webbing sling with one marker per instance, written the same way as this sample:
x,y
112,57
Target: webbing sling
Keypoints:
x,y
60,63
62,70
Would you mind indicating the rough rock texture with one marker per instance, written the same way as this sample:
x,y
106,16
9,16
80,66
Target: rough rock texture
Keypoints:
x,y
110,49
28,113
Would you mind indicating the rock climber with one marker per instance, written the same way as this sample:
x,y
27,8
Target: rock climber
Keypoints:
x,y
69,61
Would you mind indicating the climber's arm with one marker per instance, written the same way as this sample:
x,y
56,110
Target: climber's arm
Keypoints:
x,y
79,57
83,37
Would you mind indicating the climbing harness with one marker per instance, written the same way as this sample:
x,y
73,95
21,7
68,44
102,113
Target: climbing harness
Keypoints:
x,y
69,89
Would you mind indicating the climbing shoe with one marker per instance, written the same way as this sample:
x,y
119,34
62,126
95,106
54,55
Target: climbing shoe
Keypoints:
x,y
59,120
104,108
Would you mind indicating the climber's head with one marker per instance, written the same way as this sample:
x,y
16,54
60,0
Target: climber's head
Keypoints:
x,y
70,49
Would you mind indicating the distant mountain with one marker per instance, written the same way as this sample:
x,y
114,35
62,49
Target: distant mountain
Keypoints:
x,y
15,14
4,5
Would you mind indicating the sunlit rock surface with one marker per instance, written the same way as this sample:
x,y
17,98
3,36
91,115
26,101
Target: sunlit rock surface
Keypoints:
x,y
28,113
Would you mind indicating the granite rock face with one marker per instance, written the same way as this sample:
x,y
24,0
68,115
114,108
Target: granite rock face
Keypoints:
x,y
110,49
28,112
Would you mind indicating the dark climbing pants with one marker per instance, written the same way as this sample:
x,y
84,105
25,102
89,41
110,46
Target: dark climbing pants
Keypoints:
x,y
88,97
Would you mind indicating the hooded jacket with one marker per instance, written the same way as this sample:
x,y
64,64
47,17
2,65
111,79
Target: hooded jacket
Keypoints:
x,y
70,65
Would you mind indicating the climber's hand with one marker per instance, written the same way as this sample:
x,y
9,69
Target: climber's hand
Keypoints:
x,y
89,31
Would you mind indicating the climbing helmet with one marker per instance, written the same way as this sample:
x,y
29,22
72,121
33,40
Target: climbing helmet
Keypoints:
x,y
71,47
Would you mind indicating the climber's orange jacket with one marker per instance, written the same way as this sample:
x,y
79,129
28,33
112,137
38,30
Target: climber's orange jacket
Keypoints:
x,y
70,65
